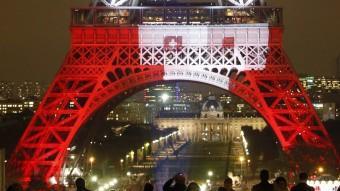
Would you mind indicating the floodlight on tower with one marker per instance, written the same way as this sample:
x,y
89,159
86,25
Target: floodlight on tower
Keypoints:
x,y
113,3
241,2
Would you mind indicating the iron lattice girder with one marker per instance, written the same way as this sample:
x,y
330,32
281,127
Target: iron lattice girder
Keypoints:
x,y
105,62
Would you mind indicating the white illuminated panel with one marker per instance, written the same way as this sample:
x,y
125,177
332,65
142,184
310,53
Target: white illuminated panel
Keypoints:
x,y
241,2
247,34
207,48
113,3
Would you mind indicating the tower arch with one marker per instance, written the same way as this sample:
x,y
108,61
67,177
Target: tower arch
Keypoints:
x,y
105,61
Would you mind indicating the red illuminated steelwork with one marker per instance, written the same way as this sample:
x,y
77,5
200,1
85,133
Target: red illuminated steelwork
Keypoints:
x,y
104,62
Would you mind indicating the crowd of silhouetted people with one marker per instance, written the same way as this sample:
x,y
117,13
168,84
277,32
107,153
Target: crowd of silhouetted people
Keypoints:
x,y
79,183
178,183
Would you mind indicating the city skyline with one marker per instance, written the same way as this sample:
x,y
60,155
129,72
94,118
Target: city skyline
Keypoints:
x,y
35,38
13,90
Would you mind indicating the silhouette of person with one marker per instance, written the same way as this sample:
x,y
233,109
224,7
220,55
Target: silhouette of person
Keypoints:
x,y
148,187
264,185
302,185
193,186
280,184
221,189
179,185
37,183
80,184
228,184
15,187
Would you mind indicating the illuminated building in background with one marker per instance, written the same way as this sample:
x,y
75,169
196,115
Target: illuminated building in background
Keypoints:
x,y
157,93
179,108
209,125
235,107
170,93
326,111
15,107
327,83
320,82
21,90
167,98
190,97
132,112
225,99
324,93
307,82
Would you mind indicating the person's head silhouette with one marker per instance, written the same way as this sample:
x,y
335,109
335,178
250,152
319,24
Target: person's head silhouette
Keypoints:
x,y
179,178
193,186
228,183
303,177
15,187
148,187
80,183
264,175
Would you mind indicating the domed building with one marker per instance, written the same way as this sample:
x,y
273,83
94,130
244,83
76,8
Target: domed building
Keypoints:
x,y
211,125
211,108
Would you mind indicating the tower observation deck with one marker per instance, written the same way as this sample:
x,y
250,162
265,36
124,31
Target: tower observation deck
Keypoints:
x,y
176,15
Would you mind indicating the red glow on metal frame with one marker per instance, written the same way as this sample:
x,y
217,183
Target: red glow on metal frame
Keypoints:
x,y
104,62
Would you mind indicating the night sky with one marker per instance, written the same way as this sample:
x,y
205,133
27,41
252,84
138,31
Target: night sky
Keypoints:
x,y
34,36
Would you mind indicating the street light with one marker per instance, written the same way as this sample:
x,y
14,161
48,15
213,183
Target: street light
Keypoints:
x,y
241,162
132,155
121,165
112,183
128,173
210,173
106,186
321,169
115,180
94,178
91,160
203,187
165,97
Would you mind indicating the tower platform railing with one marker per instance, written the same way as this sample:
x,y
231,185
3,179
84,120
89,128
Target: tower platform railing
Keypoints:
x,y
171,15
